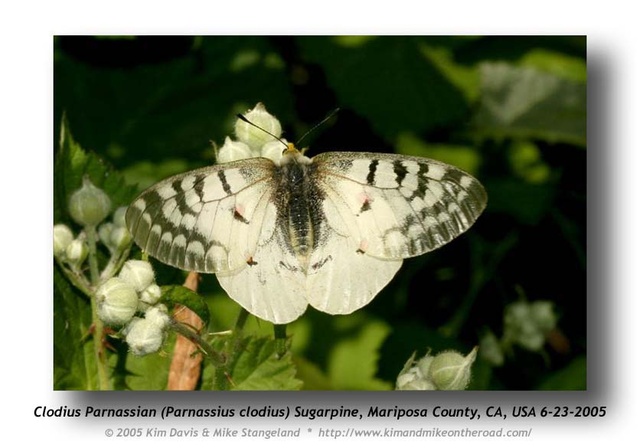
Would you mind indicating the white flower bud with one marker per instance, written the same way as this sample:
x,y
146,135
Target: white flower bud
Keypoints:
x,y
89,205
62,237
114,237
413,379
251,135
409,382
158,315
527,324
414,375
151,294
119,217
104,233
144,336
232,151
490,349
137,273
273,150
120,237
451,371
76,252
543,315
424,364
117,301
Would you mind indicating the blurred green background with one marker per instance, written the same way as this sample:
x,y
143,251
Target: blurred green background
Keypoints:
x,y
510,110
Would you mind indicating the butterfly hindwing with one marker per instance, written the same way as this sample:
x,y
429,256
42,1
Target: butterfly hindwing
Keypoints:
x,y
342,279
273,285
337,279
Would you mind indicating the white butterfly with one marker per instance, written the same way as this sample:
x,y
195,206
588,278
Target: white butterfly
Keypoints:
x,y
329,231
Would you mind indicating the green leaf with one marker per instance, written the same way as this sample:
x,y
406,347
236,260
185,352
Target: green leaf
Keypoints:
x,y
527,162
559,64
180,295
253,364
150,372
74,362
313,378
353,363
72,163
461,156
572,377
464,77
389,80
144,174
529,103
526,202
175,107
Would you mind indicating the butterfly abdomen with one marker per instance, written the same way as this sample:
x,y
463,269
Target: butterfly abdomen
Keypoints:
x,y
300,209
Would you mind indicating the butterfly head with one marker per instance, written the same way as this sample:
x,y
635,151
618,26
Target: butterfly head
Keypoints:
x,y
292,154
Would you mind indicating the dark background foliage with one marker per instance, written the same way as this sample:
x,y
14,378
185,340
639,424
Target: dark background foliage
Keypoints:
x,y
511,110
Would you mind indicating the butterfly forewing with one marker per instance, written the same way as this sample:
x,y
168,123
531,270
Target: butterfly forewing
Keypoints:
x,y
208,220
398,206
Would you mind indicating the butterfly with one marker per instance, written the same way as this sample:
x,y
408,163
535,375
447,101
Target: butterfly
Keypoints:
x,y
287,232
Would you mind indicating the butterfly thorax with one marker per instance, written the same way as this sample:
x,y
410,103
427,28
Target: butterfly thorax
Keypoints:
x,y
299,205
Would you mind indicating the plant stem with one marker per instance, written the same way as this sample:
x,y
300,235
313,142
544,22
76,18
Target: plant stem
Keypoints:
x,y
280,333
98,327
242,319
482,271
92,238
116,261
216,358
76,278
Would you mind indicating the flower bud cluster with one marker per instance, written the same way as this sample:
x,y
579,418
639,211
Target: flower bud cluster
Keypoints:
x,y
145,335
129,300
115,235
68,248
133,293
89,206
253,141
448,370
526,324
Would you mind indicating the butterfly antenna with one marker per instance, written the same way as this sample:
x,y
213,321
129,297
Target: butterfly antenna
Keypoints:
x,y
327,118
246,120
